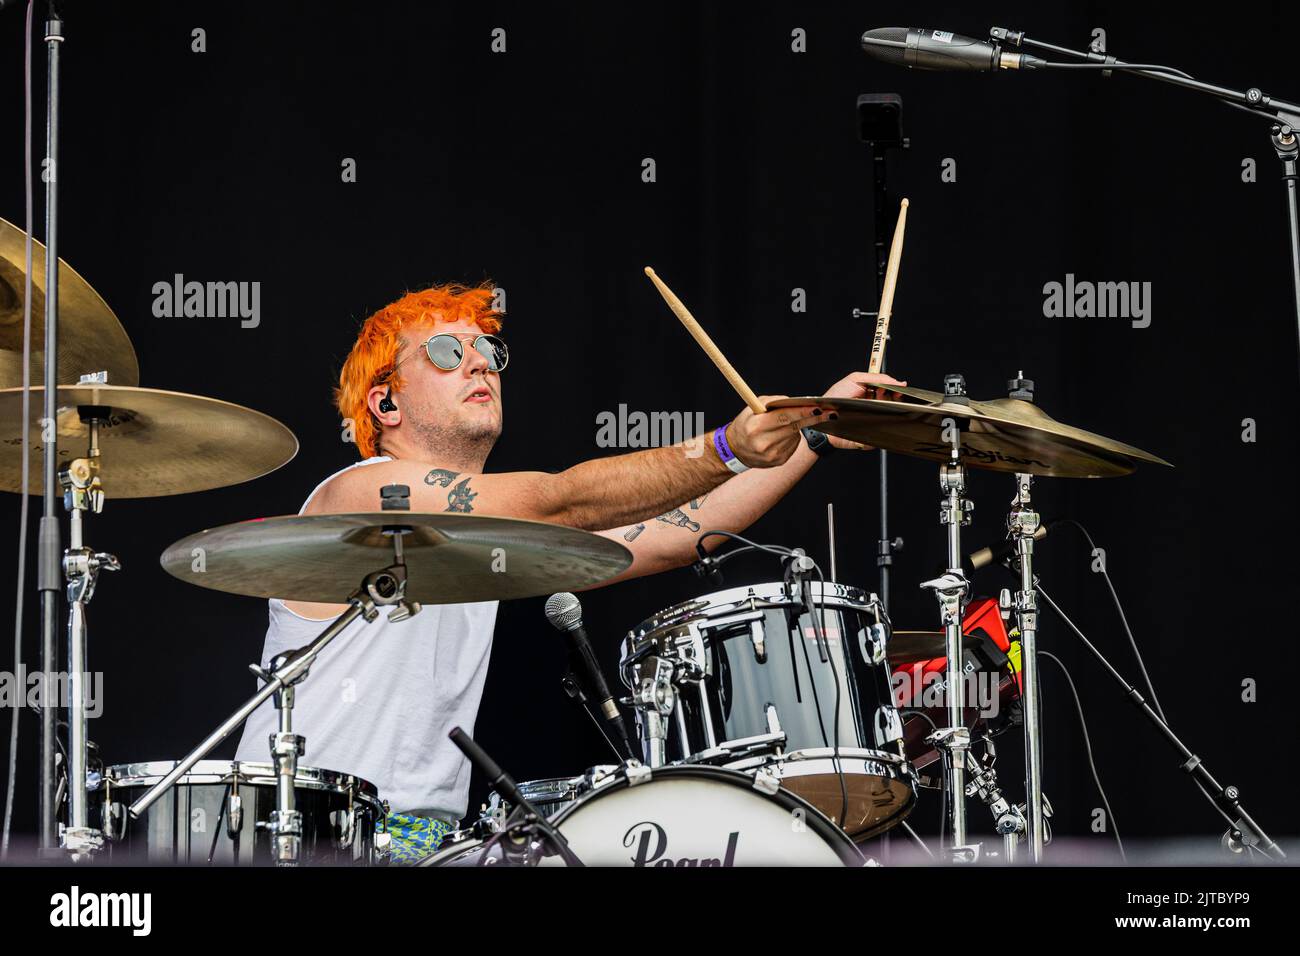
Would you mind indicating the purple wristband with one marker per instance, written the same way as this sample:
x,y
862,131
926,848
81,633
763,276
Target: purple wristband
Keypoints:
x,y
724,451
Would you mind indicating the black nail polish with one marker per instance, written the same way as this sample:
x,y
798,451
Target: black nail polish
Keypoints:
x,y
833,416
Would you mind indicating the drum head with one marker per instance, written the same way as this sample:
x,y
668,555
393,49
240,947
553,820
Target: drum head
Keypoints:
x,y
700,816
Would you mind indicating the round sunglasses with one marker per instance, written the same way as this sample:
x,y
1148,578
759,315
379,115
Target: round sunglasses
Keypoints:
x,y
447,351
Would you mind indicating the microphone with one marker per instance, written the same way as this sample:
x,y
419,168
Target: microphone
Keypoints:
x,y
564,611
986,556
919,49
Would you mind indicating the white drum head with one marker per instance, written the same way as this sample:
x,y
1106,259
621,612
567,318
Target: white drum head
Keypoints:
x,y
700,816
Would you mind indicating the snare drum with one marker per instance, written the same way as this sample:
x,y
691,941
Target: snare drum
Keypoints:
x,y
743,678
215,814
679,816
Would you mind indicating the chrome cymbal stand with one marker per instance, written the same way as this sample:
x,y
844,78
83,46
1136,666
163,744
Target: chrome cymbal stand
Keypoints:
x,y
1022,525
386,587
82,492
951,588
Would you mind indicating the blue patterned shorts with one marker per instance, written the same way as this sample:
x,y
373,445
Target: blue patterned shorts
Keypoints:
x,y
414,838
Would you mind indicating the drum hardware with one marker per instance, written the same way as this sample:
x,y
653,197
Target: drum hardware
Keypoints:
x,y
1243,830
82,492
1022,526
384,588
1008,819
951,589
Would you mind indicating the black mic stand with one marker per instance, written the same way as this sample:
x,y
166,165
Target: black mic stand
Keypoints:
x,y
525,818
1284,118
1245,832
880,125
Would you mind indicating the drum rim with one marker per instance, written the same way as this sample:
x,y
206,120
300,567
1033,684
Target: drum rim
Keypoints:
x,y
839,841
843,596
249,772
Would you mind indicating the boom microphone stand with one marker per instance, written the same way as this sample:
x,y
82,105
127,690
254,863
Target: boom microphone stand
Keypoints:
x,y
1244,832
1284,118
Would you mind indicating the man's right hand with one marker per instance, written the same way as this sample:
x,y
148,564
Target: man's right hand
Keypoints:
x,y
768,439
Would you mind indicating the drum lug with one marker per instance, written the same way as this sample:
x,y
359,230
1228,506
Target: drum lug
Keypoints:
x,y
872,641
637,773
234,814
889,726
765,781
115,821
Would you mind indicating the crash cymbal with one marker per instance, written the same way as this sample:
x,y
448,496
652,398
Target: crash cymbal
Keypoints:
x,y
909,647
151,442
1005,434
451,558
91,339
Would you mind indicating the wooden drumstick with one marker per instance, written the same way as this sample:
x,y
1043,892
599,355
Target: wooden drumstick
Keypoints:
x,y
887,294
706,343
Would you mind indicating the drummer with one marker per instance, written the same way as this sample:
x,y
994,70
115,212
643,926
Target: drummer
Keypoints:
x,y
422,391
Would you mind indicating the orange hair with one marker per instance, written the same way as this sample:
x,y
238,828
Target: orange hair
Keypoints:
x,y
379,342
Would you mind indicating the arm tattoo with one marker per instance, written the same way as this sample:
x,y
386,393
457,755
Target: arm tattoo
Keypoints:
x,y
631,533
678,518
696,503
460,498
440,476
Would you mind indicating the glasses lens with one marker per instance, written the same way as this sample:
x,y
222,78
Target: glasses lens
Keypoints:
x,y
445,351
494,350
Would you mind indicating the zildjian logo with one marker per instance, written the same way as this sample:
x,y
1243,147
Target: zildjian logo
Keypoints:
x,y
978,454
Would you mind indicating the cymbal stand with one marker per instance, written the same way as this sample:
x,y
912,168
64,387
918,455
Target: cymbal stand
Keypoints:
x,y
1022,525
82,492
951,588
386,587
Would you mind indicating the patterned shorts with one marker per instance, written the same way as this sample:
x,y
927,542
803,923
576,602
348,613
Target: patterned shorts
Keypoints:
x,y
414,838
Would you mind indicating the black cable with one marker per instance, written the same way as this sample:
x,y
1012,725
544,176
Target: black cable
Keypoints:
x,y
26,443
216,831
1087,744
1114,596
1117,67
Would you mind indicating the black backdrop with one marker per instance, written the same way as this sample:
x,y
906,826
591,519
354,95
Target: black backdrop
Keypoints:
x,y
526,167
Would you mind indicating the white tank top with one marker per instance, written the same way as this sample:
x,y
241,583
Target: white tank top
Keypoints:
x,y
382,697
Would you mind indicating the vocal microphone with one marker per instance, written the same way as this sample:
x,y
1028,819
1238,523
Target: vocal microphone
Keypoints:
x,y
919,49
986,556
564,611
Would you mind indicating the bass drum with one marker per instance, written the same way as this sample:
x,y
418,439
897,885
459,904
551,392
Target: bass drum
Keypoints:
x,y
216,813
682,816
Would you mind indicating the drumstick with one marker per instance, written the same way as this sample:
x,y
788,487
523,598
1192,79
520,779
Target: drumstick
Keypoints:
x,y
706,343
887,294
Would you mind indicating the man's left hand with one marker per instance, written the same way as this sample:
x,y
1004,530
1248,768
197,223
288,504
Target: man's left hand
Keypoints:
x,y
861,385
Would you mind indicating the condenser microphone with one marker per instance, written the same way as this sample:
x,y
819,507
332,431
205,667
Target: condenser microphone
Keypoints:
x,y
986,556
564,611
919,49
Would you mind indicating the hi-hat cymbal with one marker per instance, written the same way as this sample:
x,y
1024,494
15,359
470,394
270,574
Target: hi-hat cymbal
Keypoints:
x,y
1005,434
451,558
91,339
151,442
